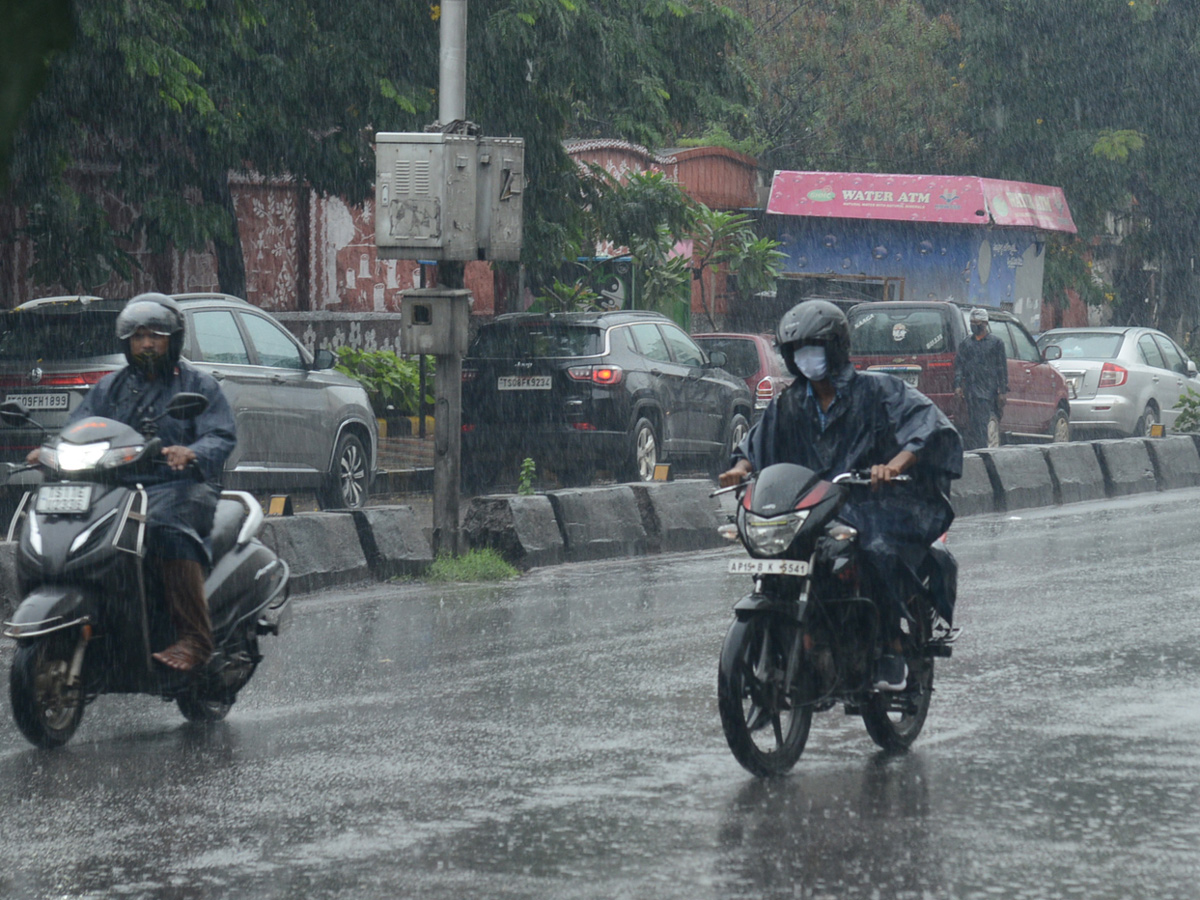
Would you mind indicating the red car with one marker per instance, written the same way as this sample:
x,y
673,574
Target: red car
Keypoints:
x,y
753,358
917,340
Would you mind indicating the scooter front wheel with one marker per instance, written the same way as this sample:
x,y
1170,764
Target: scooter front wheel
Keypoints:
x,y
765,719
45,708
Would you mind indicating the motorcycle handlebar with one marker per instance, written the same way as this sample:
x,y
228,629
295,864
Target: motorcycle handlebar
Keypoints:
x,y
856,478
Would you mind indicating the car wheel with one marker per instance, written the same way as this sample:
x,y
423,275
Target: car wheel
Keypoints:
x,y
346,485
994,437
738,429
1148,420
1060,427
643,452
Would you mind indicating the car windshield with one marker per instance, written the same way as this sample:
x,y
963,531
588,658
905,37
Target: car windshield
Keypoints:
x,y
897,331
49,337
507,340
741,355
1084,344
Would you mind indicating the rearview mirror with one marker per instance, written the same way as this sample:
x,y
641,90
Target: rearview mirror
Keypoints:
x,y
323,359
187,406
1052,352
718,359
13,413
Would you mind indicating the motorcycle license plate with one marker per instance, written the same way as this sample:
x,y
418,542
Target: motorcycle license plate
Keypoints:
x,y
63,498
796,567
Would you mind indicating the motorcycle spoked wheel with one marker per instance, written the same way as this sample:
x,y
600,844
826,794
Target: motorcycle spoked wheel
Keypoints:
x,y
894,720
765,721
46,711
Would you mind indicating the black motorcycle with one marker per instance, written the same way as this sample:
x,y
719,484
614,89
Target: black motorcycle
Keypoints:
x,y
92,611
808,636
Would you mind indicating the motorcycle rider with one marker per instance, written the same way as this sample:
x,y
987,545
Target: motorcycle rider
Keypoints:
x,y
834,419
182,496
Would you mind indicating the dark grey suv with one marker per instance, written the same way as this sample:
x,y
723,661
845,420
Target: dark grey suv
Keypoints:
x,y
619,391
301,425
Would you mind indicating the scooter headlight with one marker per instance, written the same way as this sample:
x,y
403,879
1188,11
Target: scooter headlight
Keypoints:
x,y
77,457
771,536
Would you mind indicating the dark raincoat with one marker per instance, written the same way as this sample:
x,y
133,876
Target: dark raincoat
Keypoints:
x,y
181,504
873,417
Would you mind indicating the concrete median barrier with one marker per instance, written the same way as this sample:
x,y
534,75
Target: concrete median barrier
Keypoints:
x,y
322,549
1075,472
1175,460
600,522
1126,466
680,515
974,493
1021,476
393,540
524,530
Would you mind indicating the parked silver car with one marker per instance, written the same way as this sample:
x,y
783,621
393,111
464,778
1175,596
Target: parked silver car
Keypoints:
x,y
1121,380
301,425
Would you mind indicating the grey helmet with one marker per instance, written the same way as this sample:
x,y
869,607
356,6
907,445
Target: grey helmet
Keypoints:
x,y
819,321
160,314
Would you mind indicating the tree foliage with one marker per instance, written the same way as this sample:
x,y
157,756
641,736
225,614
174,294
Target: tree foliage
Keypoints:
x,y
158,101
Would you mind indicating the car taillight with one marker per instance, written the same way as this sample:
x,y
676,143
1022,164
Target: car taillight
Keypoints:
x,y
605,376
65,379
1112,375
764,391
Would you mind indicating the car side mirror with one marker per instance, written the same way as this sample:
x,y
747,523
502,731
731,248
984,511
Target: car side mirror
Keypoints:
x,y
323,359
717,359
1191,369
1052,352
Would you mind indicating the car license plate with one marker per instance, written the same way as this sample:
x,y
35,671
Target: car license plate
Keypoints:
x,y
51,400
796,567
523,383
63,498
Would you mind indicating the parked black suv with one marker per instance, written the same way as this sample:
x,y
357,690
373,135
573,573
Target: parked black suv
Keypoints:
x,y
577,392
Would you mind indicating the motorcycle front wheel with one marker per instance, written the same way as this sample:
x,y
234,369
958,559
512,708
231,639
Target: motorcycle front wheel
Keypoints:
x,y
764,718
45,709
894,720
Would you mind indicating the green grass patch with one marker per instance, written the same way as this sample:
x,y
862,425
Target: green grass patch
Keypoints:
x,y
475,565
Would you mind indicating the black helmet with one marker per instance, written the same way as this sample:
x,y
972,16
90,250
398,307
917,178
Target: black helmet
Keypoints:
x,y
160,314
815,321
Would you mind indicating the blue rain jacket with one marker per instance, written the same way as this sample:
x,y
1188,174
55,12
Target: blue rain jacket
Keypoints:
x,y
181,507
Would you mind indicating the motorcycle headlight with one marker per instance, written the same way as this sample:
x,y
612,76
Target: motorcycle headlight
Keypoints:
x,y
771,536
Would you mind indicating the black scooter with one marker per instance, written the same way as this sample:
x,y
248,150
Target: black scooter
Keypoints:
x,y
806,638
92,611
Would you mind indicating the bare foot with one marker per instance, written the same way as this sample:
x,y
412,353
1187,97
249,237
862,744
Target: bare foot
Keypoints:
x,y
180,656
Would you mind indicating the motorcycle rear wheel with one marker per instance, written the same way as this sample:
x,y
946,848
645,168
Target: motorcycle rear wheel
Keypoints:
x,y
46,711
895,729
764,720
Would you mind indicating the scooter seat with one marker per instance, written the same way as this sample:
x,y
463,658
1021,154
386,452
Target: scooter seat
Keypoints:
x,y
227,522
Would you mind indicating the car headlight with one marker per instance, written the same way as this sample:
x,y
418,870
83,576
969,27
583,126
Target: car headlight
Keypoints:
x,y
772,535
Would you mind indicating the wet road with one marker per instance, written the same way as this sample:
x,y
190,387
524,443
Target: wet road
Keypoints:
x,y
558,738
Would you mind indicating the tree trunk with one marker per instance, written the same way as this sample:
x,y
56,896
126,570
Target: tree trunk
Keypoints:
x,y
231,264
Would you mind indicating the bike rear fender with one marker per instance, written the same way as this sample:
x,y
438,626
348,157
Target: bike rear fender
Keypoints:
x,y
757,603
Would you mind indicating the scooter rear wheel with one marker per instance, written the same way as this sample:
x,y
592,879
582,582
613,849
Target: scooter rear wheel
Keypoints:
x,y
196,708
46,711
766,720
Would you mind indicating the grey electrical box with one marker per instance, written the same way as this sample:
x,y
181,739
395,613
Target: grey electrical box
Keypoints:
x,y
448,196
435,321
501,192
425,196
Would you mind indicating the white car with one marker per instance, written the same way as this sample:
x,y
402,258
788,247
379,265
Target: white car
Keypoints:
x,y
1121,381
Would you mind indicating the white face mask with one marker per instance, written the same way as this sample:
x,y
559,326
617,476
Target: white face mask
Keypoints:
x,y
811,362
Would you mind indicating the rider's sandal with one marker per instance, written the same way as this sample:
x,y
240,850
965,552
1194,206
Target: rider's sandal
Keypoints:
x,y
180,656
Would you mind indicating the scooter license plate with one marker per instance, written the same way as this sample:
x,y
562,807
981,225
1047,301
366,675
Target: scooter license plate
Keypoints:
x,y
63,498
796,567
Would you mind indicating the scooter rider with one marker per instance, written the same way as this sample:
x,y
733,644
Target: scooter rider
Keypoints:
x,y
834,419
182,497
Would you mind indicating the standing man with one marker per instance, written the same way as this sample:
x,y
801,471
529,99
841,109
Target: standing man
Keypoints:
x,y
981,376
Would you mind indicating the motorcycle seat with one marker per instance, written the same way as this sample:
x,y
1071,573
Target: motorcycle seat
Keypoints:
x,y
227,522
